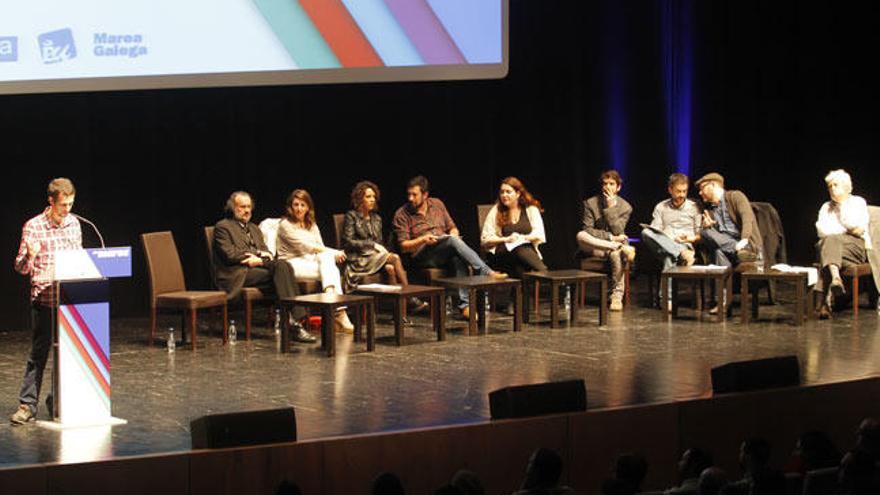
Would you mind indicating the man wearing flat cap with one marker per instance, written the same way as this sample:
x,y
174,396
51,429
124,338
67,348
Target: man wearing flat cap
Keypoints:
x,y
730,231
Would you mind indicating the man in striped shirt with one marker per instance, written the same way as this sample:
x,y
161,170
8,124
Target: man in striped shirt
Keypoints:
x,y
55,229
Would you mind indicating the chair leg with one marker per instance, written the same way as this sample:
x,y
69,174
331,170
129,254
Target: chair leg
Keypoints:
x,y
855,296
537,301
152,325
270,316
248,316
226,323
193,325
583,292
626,288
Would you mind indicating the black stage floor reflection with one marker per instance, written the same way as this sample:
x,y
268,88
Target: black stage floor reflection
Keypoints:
x,y
638,358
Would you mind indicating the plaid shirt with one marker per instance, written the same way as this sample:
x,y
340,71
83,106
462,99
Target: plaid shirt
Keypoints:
x,y
409,224
51,238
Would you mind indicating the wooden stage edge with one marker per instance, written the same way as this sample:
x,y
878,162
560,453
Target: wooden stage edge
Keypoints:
x,y
497,451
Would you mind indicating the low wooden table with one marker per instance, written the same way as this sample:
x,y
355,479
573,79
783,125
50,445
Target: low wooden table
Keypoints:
x,y
327,303
803,302
484,283
723,280
398,296
575,278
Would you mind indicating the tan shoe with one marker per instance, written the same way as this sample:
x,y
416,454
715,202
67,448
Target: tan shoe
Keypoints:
x,y
629,252
343,324
22,415
686,258
498,275
616,304
466,313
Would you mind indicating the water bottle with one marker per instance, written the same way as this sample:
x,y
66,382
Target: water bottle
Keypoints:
x,y
232,333
567,303
170,342
277,321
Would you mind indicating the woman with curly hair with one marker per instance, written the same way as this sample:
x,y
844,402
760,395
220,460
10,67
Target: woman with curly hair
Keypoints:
x,y
364,246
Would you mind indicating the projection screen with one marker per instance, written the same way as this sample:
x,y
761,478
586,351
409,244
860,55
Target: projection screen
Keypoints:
x,y
101,45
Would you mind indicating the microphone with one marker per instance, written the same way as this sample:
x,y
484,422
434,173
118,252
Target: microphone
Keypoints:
x,y
93,226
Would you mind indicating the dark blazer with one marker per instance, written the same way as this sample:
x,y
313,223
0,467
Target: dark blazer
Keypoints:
x,y
601,221
230,246
770,225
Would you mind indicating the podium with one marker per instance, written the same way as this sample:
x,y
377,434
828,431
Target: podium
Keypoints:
x,y
81,336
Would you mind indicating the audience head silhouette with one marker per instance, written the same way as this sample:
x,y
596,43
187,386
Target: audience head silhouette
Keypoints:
x,y
288,488
544,469
387,484
468,483
712,480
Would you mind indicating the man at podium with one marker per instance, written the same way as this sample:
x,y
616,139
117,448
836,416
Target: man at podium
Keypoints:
x,y
55,229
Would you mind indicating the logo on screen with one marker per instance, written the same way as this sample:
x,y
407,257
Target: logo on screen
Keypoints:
x,y
8,48
57,46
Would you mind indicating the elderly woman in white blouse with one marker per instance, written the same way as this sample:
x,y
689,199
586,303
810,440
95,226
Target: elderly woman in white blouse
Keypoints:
x,y
301,245
513,230
844,239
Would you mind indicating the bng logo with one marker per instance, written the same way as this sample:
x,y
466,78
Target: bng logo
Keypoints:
x,y
57,46
8,48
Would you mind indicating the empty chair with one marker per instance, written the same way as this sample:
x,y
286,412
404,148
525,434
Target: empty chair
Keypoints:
x,y
168,288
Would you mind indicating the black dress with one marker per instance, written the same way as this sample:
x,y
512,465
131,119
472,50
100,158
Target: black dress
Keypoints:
x,y
524,258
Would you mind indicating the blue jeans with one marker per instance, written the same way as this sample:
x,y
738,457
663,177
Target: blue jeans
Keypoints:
x,y
663,247
453,251
721,245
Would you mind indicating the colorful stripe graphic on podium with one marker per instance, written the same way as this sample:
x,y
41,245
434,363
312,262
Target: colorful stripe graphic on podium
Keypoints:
x,y
327,34
84,361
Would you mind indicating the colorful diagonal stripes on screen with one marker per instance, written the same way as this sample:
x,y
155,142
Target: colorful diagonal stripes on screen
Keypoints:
x,y
327,34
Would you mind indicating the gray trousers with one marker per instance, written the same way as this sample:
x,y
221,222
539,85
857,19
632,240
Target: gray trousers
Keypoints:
x,y
610,250
841,250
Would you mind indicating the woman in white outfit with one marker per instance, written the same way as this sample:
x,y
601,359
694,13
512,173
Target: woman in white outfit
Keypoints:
x,y
301,245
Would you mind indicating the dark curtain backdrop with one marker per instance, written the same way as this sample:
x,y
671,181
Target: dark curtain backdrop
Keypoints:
x,y
783,91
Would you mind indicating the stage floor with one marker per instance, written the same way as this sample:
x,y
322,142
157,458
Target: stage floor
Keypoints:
x,y
637,358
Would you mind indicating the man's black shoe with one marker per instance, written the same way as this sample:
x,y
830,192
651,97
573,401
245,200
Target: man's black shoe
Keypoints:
x,y
416,305
824,312
301,335
836,288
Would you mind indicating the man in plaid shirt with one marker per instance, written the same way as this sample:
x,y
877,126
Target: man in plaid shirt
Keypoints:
x,y
426,231
55,229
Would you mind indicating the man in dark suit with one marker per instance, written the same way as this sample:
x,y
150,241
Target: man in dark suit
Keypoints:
x,y
241,259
